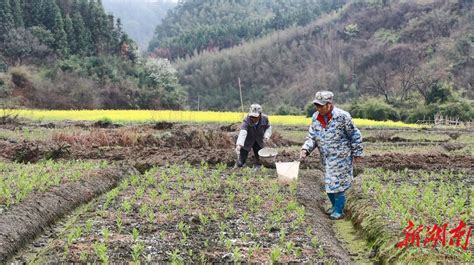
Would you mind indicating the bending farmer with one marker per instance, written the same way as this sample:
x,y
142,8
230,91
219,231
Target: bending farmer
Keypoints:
x,y
339,143
255,131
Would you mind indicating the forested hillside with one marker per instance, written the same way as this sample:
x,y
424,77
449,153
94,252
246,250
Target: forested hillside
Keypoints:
x,y
198,25
69,54
413,58
60,27
139,17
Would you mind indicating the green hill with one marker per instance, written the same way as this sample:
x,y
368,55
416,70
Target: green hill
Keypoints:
x,y
404,52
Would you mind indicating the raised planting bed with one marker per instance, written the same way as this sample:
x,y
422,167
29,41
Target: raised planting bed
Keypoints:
x,y
42,207
18,181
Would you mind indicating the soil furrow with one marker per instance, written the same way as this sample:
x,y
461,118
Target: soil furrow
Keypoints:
x,y
309,194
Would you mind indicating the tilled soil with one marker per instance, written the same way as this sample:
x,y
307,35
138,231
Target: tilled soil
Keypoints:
x,y
145,157
160,145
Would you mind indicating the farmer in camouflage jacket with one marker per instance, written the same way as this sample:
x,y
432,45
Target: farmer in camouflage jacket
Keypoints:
x,y
339,143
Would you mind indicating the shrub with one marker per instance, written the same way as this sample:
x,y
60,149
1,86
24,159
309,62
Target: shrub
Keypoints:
x,y
440,92
374,109
423,112
461,109
310,109
287,110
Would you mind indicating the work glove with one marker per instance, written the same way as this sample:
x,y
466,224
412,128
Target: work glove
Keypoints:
x,y
303,154
237,149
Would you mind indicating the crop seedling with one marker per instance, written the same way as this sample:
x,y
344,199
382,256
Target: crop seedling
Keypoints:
x,y
228,244
127,206
203,219
139,193
184,239
101,252
135,234
282,237
183,227
290,246
202,258
151,216
298,252
143,210
119,223
153,195
321,252
137,250
89,224
175,257
314,242
106,233
236,255
275,255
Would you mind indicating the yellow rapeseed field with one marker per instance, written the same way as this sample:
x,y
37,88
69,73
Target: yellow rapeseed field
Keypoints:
x,y
126,116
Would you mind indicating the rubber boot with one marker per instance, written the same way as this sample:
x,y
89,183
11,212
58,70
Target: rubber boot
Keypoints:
x,y
340,201
333,201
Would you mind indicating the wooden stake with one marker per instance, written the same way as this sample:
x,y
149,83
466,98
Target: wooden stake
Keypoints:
x,y
241,101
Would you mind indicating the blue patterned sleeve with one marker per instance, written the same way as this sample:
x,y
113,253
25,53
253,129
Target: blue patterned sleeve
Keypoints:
x,y
355,137
310,143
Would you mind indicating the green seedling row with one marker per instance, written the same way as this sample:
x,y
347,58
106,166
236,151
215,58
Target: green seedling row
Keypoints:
x,y
18,180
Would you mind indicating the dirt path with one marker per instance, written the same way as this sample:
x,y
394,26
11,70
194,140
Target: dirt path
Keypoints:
x,y
309,194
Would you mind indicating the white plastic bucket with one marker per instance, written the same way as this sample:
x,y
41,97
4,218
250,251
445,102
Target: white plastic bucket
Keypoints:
x,y
267,156
287,170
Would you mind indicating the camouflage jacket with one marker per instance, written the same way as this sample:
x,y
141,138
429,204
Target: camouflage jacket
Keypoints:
x,y
337,144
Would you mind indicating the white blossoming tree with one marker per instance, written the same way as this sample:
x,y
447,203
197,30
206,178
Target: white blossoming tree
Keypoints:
x,y
163,88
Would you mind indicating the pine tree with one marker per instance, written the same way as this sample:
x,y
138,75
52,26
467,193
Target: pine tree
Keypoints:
x,y
100,32
82,34
54,22
15,5
119,28
85,12
113,36
71,36
37,12
6,18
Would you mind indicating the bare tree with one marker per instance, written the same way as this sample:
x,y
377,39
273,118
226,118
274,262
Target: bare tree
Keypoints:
x,y
426,77
378,79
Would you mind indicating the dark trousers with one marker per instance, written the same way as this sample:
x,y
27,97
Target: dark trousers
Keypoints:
x,y
244,154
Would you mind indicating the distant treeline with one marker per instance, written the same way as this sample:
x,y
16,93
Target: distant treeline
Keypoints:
x,y
201,25
35,29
